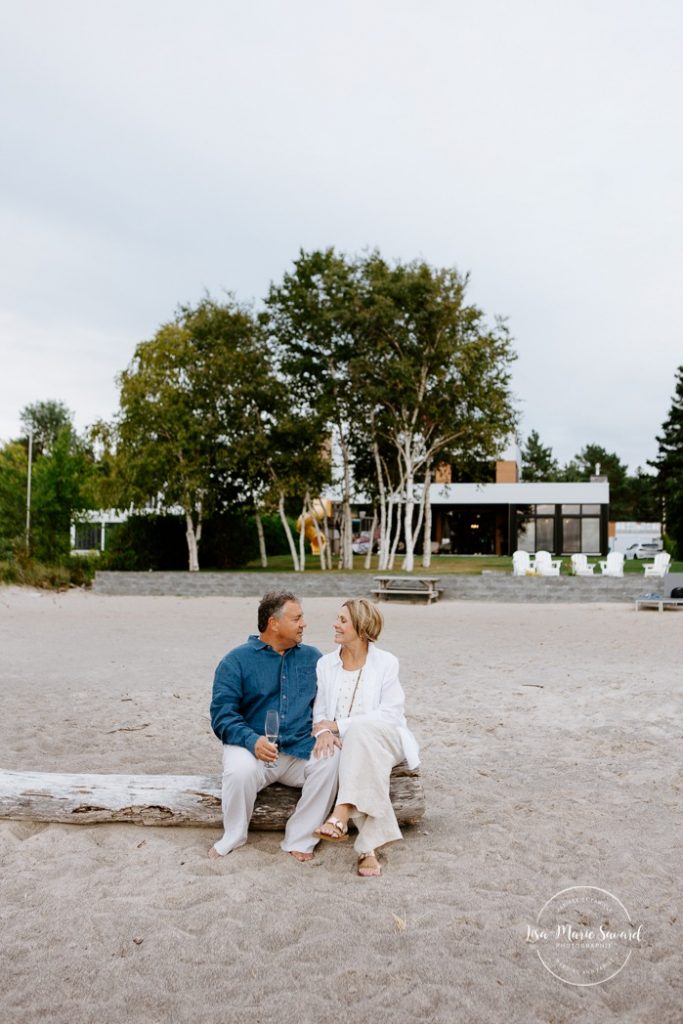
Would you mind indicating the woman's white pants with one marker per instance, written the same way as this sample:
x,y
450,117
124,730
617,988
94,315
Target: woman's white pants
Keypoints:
x,y
369,752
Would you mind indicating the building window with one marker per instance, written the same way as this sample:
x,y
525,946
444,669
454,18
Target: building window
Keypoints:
x,y
581,529
566,529
590,535
545,533
88,536
571,535
536,528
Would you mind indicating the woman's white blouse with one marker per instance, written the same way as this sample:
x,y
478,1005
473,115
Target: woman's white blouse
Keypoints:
x,y
383,697
345,696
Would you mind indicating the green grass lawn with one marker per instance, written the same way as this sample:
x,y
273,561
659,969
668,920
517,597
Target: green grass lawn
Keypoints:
x,y
442,565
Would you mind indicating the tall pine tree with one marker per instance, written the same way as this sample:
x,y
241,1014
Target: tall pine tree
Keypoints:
x,y
669,466
538,462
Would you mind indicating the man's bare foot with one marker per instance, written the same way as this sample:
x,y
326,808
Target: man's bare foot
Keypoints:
x,y
214,854
298,855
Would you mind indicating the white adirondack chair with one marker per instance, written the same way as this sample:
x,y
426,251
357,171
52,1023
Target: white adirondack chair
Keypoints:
x,y
545,565
660,566
521,563
580,566
613,565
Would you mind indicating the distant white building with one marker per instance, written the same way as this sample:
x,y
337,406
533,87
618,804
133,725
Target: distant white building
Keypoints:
x,y
90,532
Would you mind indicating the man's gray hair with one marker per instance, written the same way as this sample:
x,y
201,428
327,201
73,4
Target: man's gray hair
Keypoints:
x,y
272,604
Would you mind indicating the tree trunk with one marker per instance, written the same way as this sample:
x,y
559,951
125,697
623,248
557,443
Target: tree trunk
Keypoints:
x,y
328,544
288,532
261,539
302,538
368,558
383,526
165,799
347,519
427,535
409,560
396,538
193,535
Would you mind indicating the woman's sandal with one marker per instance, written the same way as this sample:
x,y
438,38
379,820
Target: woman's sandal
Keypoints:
x,y
341,831
370,872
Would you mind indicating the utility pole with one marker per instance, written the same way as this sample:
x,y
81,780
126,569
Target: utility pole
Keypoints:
x,y
28,493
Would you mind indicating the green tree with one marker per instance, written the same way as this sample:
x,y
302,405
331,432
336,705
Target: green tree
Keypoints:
x,y
592,459
61,481
313,322
45,420
434,377
669,466
538,462
643,498
61,491
186,402
280,459
13,473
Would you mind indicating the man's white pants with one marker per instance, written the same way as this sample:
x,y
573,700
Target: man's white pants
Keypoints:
x,y
244,775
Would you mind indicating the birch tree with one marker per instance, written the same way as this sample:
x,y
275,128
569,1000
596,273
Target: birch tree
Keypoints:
x,y
313,322
436,378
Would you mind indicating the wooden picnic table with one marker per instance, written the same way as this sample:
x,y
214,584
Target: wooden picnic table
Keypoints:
x,y
413,586
658,602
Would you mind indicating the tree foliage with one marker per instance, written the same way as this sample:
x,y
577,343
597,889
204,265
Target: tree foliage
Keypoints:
x,y
45,420
313,324
187,401
538,461
61,483
669,466
434,376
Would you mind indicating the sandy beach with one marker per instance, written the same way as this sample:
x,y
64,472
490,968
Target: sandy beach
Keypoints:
x,y
551,745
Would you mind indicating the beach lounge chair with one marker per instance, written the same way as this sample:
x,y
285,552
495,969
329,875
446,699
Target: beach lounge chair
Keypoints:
x,y
545,565
660,566
521,563
613,565
580,566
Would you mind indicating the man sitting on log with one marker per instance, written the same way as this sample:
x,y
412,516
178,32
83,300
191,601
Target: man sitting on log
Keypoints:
x,y
273,671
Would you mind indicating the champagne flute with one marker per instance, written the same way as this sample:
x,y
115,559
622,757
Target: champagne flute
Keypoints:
x,y
272,728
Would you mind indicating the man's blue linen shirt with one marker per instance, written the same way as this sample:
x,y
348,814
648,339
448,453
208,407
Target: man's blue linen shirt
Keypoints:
x,y
253,679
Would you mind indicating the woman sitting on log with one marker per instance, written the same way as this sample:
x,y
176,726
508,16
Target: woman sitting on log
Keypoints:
x,y
360,708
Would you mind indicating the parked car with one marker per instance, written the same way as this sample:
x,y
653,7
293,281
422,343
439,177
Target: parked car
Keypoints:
x,y
647,550
361,543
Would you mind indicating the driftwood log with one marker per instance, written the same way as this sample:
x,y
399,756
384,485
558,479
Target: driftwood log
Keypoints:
x,y
165,799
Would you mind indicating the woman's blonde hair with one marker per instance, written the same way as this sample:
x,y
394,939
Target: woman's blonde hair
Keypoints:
x,y
365,617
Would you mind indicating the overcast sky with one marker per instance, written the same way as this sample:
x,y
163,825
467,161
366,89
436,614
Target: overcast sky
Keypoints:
x,y
159,148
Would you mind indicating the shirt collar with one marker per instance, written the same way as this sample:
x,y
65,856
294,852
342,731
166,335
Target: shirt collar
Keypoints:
x,y
255,641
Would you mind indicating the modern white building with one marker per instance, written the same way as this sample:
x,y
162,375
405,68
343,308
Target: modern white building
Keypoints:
x,y
499,518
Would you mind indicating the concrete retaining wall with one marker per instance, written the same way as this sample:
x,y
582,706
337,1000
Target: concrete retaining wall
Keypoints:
x,y
487,587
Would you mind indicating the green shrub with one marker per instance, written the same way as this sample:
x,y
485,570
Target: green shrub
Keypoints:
x,y
29,572
229,540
